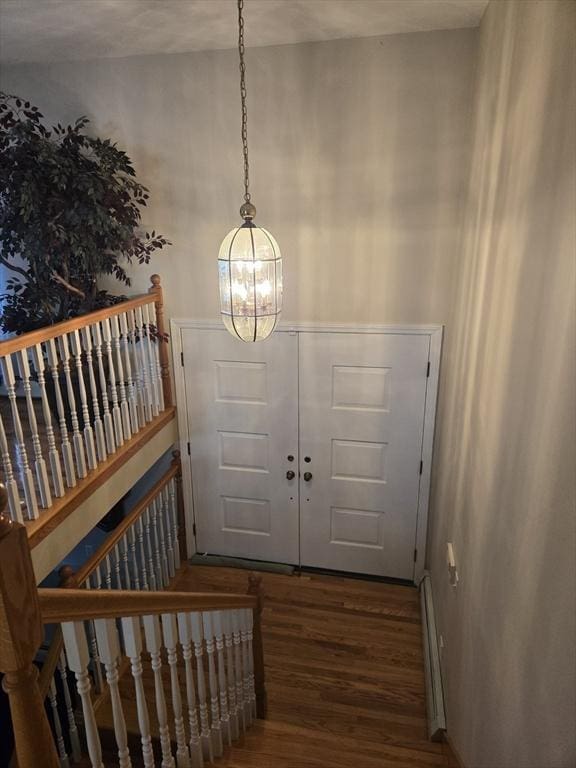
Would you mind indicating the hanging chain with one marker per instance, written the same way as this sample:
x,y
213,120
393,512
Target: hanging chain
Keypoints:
x,y
243,99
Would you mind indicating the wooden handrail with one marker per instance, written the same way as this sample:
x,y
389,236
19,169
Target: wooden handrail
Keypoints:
x,y
40,335
62,605
50,662
20,638
78,578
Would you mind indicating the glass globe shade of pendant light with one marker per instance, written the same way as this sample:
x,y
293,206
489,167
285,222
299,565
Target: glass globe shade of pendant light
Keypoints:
x,y
250,280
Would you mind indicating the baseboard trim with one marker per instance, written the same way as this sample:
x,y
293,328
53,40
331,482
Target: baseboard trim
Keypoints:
x,y
434,692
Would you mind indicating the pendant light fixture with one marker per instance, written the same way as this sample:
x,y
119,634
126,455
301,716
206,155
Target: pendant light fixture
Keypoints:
x,y
249,261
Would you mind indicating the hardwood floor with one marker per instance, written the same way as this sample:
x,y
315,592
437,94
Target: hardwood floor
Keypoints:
x,y
344,673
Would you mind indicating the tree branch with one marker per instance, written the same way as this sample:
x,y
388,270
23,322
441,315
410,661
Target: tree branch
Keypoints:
x,y
69,287
14,268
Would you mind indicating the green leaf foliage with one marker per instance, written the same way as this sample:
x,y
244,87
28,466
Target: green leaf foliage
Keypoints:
x,y
70,208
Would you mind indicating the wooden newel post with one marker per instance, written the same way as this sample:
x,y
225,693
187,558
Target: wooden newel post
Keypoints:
x,y
20,638
255,589
156,290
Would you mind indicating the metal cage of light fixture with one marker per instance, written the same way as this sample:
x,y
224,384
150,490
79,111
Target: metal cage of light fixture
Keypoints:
x,y
249,261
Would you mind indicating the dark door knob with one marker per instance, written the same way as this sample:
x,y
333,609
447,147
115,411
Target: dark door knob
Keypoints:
x,y
307,476
290,475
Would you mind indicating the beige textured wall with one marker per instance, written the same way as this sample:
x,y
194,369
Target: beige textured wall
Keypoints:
x,y
504,484
358,156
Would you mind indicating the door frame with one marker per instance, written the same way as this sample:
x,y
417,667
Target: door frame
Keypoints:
x,y
435,335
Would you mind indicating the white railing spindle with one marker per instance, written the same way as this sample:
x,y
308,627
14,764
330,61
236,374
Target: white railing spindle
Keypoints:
x,y
133,647
53,455
132,394
197,638
63,755
71,718
24,467
170,633
14,504
185,636
109,648
124,408
116,414
98,423
39,463
54,365
222,686
77,441
107,416
153,646
229,643
88,432
213,683
78,658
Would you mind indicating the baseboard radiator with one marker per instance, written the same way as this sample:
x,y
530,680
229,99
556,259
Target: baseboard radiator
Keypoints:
x,y
434,693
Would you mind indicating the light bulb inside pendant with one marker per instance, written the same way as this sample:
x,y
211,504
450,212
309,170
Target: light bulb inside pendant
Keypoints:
x,y
249,260
250,278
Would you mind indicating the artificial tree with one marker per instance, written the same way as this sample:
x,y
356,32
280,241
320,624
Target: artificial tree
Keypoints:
x,y
70,212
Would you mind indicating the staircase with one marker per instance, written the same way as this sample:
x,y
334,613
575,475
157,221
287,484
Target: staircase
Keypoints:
x,y
162,678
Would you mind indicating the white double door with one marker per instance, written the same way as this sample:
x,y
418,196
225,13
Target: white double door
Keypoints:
x,y
306,448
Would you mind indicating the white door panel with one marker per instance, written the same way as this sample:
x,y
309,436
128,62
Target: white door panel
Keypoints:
x,y
242,404
362,400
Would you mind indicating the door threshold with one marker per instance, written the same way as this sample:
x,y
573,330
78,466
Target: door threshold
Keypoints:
x,y
223,561
350,575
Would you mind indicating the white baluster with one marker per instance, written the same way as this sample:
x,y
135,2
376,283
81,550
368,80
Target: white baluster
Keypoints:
x,y
14,504
98,424
197,638
156,540
133,647
142,551
87,431
142,399
153,646
53,455
54,366
78,658
153,341
39,463
213,683
163,552
223,688
170,634
245,666
108,571
109,649
72,728
117,564
147,391
240,708
229,642
125,563
108,421
166,515
93,646
185,635
124,409
174,520
25,471
133,558
131,393
156,382
249,624
77,441
154,585
116,415
64,762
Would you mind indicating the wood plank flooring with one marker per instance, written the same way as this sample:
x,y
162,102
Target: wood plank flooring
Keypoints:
x,y
344,672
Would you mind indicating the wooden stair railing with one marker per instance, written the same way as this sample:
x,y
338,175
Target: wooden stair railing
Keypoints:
x,y
79,395
211,641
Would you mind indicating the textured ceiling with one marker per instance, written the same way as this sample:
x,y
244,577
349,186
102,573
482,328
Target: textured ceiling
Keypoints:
x,y
56,30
